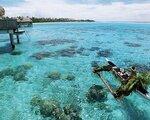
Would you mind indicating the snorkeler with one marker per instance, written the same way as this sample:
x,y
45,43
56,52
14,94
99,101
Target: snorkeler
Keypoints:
x,y
129,85
129,81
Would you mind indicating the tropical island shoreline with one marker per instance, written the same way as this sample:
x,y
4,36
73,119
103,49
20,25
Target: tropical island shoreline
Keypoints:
x,y
43,19
40,20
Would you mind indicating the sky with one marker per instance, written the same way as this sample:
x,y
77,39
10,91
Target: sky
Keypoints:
x,y
99,10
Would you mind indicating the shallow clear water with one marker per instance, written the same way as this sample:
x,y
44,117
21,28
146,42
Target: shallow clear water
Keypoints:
x,y
125,43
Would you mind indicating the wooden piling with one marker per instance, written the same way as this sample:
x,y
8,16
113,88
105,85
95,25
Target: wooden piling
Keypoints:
x,y
12,40
17,36
18,39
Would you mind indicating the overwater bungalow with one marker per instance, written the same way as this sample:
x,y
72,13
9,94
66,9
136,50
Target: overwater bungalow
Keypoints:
x,y
24,22
9,26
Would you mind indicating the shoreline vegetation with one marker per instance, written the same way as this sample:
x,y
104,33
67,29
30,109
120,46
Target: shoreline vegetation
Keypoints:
x,y
40,20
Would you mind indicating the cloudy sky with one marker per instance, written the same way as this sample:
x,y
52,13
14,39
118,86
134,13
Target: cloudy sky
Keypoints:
x,y
101,10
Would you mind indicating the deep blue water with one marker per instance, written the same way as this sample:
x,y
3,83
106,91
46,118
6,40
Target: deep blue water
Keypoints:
x,y
124,43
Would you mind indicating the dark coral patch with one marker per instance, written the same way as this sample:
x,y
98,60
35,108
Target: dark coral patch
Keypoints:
x,y
16,53
97,35
68,52
139,38
73,111
147,50
80,50
132,44
73,47
55,42
70,77
96,93
52,108
21,71
18,73
104,106
104,53
55,75
41,55
141,67
94,48
6,72
6,49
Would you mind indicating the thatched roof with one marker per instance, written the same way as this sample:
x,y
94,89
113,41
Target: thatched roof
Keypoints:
x,y
24,19
2,11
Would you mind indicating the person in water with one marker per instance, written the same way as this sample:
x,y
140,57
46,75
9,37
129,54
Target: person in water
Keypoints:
x,y
131,82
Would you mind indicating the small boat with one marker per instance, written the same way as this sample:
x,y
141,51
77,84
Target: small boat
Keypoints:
x,y
124,75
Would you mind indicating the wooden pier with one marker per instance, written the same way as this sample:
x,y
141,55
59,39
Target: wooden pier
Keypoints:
x,y
11,27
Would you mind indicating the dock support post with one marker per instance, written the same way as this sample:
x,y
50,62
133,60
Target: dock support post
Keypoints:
x,y
17,37
12,40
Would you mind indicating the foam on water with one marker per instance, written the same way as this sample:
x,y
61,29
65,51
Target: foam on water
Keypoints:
x,y
120,39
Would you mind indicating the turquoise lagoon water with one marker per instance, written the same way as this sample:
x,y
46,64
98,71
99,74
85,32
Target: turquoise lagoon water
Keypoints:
x,y
123,43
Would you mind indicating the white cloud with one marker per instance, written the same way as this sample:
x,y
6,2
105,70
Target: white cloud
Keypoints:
x,y
116,11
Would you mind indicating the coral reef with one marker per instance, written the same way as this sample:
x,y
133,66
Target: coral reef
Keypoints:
x,y
18,73
55,42
141,67
68,52
69,77
55,75
104,106
36,101
16,53
6,72
104,53
94,48
96,93
20,76
52,108
73,111
80,50
74,47
132,44
41,55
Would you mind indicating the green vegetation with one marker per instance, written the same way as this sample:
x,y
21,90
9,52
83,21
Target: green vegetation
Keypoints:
x,y
37,20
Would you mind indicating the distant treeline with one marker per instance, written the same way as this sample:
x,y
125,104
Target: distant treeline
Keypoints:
x,y
37,20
